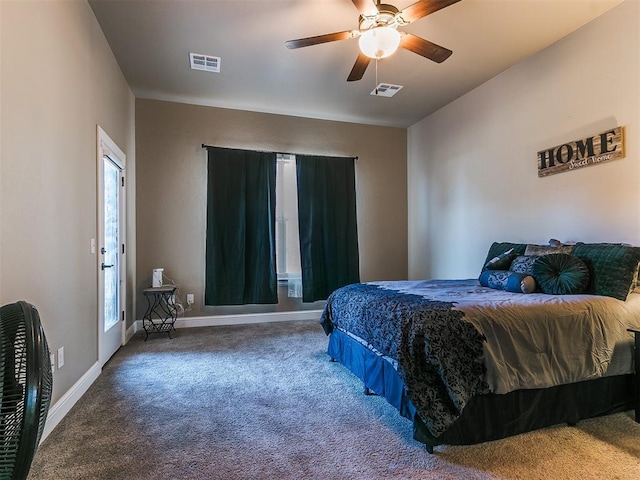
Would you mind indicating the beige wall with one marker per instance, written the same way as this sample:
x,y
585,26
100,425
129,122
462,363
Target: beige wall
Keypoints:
x,y
59,80
472,165
171,186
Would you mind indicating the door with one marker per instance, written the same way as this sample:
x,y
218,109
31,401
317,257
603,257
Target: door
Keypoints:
x,y
111,247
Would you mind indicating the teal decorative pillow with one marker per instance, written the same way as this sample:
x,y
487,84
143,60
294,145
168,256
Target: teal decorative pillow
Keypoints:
x,y
561,274
612,267
498,248
508,281
523,264
502,261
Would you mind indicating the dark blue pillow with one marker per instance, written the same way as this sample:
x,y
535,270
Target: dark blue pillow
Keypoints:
x,y
561,274
508,281
523,264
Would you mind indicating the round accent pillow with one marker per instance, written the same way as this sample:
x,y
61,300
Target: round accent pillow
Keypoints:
x,y
561,274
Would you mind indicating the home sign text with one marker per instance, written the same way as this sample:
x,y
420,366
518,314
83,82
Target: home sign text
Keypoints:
x,y
601,148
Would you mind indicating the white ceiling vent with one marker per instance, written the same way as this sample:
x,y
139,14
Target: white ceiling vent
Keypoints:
x,y
386,90
205,62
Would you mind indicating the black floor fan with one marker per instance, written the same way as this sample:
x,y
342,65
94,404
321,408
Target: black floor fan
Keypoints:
x,y
25,390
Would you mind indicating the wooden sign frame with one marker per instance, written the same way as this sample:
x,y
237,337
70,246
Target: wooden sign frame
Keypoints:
x,y
585,152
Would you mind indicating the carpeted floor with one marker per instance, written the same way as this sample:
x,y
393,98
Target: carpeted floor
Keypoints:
x,y
264,402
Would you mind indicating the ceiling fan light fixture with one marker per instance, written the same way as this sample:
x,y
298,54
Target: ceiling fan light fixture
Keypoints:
x,y
379,42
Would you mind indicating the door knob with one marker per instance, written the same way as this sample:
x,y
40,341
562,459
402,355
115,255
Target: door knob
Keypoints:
x,y
103,266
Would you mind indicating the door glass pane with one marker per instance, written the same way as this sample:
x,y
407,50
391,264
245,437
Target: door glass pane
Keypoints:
x,y
111,242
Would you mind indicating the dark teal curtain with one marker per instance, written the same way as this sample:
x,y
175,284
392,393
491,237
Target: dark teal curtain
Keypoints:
x,y
240,245
327,223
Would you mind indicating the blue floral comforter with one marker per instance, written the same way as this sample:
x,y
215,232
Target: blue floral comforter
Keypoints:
x,y
439,353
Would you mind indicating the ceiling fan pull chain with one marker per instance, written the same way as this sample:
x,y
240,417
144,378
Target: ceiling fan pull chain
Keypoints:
x,y
376,76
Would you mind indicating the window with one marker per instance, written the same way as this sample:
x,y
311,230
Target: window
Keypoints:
x,y
255,244
287,238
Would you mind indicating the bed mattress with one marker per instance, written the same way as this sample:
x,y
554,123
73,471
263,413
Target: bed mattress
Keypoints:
x,y
537,340
454,339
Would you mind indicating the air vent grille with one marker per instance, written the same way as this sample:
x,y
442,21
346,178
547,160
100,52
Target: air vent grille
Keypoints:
x,y
386,90
206,63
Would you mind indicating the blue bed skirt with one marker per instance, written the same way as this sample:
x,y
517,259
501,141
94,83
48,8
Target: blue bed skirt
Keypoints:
x,y
377,373
487,417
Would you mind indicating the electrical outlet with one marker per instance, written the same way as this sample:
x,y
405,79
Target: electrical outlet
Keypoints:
x,y
52,359
60,357
190,300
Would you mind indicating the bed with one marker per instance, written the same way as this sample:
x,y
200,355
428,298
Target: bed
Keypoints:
x,y
468,361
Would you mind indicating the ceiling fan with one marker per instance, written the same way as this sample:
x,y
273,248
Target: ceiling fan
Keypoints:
x,y
379,36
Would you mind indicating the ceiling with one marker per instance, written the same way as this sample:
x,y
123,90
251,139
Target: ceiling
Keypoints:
x,y
152,39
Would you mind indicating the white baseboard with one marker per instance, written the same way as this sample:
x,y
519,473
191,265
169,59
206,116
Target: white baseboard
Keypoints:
x,y
130,332
239,319
58,411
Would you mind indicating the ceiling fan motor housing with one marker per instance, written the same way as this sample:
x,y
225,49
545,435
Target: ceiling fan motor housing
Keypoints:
x,y
387,16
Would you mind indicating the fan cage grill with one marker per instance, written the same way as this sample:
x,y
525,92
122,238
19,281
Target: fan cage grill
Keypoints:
x,y
25,390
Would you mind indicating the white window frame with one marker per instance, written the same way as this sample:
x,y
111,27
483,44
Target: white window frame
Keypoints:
x,y
287,237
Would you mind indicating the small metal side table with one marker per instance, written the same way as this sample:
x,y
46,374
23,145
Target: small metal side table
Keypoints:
x,y
161,311
636,334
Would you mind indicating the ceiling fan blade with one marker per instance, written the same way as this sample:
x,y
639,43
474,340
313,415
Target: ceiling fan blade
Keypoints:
x,y
425,48
423,8
329,37
366,7
357,72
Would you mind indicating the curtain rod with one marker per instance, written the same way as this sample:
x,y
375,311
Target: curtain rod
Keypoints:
x,y
267,151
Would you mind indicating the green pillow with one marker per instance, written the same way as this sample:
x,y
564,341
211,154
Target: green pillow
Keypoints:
x,y
502,261
612,267
498,248
561,274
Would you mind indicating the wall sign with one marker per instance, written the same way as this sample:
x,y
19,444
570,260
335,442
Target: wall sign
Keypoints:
x,y
601,148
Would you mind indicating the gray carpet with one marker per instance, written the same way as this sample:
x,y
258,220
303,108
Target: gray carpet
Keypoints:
x,y
264,402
